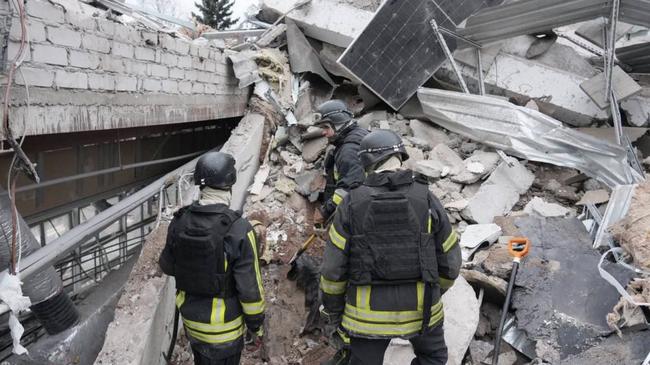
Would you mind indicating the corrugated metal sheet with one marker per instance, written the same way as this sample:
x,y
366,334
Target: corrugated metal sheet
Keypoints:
x,y
527,133
532,16
636,56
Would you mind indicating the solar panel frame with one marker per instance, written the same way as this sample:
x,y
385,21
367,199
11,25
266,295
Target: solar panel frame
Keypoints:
x,y
398,50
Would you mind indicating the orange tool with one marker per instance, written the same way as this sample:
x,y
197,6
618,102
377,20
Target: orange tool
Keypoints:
x,y
518,248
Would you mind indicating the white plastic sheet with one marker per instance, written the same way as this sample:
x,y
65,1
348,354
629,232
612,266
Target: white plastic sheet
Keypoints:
x,y
11,294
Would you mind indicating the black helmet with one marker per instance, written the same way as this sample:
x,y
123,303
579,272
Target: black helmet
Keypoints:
x,y
379,145
334,112
216,170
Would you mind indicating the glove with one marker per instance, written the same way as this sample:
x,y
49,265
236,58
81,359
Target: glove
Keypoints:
x,y
253,338
332,321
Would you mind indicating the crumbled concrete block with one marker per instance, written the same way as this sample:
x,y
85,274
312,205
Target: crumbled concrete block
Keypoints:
x,y
126,83
45,10
449,186
123,50
64,36
84,60
198,88
185,62
540,207
374,116
426,131
456,205
35,77
185,87
95,43
145,54
499,193
314,148
167,42
447,157
71,80
36,31
157,70
169,59
112,64
431,168
594,197
101,82
151,85
176,73
49,54
170,87
415,155
637,109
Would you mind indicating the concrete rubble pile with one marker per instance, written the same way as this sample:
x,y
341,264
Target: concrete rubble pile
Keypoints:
x,y
506,159
507,163
552,185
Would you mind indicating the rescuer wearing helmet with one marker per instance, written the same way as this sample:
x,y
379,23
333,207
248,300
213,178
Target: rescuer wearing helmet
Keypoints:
x,y
390,255
343,168
212,252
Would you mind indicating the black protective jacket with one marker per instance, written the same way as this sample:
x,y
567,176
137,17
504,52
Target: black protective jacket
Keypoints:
x,y
219,320
345,169
381,309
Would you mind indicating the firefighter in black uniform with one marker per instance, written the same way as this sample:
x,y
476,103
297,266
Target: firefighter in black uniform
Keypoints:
x,y
212,252
343,167
390,255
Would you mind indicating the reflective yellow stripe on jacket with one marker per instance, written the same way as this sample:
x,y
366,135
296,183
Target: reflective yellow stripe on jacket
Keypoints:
x,y
337,239
332,287
218,330
388,323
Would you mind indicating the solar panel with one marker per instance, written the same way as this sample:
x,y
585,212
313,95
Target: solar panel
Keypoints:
x,y
398,51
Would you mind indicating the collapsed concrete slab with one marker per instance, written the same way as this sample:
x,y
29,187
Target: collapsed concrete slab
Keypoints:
x,y
326,20
500,192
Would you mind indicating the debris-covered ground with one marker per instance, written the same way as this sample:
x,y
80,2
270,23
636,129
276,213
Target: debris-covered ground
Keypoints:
x,y
536,157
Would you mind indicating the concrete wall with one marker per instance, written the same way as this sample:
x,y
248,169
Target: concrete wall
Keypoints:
x,y
88,72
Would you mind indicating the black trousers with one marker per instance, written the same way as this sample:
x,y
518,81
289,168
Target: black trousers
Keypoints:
x,y
200,359
207,354
430,349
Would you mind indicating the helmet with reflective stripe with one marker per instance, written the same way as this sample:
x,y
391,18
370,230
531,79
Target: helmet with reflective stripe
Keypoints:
x,y
335,112
379,145
216,170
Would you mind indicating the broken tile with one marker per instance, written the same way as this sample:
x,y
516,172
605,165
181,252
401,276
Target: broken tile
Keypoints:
x,y
475,234
539,207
